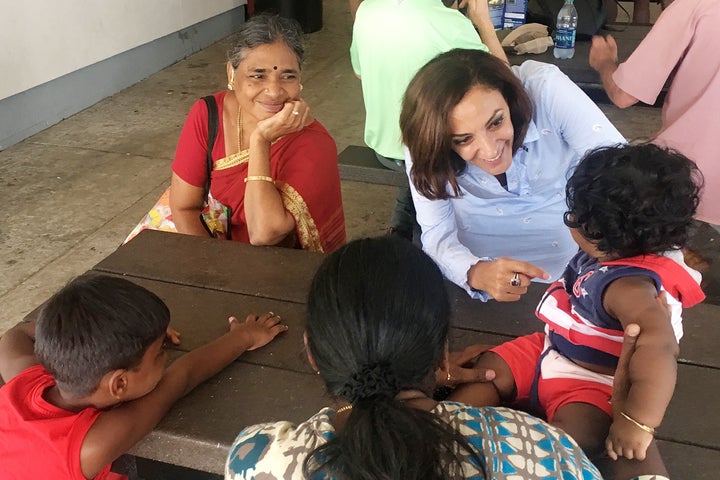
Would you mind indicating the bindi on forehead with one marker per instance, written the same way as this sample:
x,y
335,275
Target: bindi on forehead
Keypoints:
x,y
274,67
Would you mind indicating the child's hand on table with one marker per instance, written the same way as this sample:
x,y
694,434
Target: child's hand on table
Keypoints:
x,y
172,335
260,329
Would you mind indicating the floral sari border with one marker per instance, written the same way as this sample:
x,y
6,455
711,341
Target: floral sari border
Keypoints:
x,y
307,231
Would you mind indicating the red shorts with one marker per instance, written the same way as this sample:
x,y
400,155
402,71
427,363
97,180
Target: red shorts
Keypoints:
x,y
561,381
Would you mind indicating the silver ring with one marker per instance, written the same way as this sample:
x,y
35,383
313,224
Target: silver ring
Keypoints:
x,y
295,112
515,280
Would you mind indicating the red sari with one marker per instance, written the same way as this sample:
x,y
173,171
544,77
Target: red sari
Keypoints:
x,y
303,164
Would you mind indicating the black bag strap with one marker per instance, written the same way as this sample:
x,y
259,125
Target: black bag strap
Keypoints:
x,y
212,135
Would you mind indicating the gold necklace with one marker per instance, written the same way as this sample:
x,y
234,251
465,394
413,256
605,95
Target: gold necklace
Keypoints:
x,y
240,129
404,396
344,409
407,395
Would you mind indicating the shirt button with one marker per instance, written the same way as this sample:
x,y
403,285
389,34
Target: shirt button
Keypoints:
x,y
555,244
597,127
546,131
526,220
483,180
499,211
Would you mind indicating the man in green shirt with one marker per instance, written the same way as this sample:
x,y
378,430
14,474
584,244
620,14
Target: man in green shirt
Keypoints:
x,y
391,40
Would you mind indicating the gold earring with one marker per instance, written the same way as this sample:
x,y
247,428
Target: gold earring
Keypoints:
x,y
301,87
231,83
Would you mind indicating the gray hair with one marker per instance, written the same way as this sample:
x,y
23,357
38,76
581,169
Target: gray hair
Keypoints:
x,y
265,29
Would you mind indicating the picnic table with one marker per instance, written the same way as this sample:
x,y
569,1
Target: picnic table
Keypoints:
x,y
203,281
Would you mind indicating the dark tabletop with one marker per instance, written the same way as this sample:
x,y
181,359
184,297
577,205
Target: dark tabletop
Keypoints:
x,y
203,281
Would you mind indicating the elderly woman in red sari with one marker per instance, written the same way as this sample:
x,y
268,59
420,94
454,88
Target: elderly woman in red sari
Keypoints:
x,y
274,166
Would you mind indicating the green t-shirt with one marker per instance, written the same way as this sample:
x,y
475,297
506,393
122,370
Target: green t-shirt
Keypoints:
x,y
392,39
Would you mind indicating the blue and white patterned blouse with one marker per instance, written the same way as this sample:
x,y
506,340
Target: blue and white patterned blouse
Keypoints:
x,y
512,444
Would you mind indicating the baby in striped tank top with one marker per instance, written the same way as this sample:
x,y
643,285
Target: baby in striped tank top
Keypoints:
x,y
630,209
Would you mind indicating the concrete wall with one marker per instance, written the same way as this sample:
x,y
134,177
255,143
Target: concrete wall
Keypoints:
x,y
61,56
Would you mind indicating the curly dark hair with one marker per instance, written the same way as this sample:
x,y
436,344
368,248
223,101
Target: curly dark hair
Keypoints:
x,y
633,199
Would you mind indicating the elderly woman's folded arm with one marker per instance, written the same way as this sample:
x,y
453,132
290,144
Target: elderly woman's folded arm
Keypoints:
x,y
268,222
186,202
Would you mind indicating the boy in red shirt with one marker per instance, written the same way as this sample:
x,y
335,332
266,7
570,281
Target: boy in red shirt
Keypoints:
x,y
89,380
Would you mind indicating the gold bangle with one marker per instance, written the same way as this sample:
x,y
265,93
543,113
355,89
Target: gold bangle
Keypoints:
x,y
647,428
262,178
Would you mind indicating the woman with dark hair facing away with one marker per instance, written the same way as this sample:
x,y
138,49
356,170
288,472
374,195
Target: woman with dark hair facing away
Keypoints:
x,y
630,210
489,149
378,322
274,168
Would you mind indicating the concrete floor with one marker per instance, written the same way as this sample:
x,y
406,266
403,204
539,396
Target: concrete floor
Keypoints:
x,y
73,192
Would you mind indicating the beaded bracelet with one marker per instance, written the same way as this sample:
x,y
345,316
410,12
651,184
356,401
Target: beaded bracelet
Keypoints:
x,y
647,428
263,178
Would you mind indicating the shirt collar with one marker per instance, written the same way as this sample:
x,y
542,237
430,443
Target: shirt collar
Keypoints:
x,y
533,134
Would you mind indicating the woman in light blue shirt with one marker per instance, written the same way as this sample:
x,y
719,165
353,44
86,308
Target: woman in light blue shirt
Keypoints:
x,y
489,150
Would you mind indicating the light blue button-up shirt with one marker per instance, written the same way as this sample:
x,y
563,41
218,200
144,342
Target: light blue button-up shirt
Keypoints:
x,y
524,222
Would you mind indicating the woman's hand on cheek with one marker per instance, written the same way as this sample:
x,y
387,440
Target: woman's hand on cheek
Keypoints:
x,y
293,117
505,279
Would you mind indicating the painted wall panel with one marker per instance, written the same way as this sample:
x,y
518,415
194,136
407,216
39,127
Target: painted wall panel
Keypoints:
x,y
41,40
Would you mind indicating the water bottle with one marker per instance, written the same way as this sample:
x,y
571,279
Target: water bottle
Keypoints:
x,y
497,10
565,32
